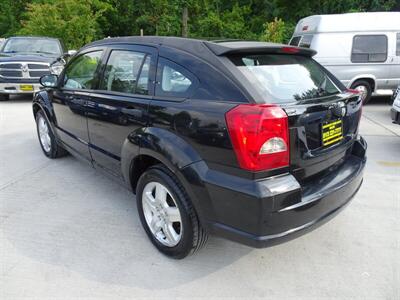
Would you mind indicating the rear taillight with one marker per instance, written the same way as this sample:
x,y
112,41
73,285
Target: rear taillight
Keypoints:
x,y
259,135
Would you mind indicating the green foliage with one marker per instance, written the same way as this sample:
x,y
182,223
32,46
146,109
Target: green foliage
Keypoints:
x,y
75,22
10,15
78,22
274,31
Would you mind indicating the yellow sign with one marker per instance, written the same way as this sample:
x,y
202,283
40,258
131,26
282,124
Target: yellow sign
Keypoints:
x,y
26,87
332,132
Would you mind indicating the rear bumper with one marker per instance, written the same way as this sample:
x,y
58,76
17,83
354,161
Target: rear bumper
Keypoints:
x,y
15,88
395,115
271,211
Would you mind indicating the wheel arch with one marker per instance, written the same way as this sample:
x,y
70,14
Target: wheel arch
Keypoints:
x,y
371,79
41,102
147,147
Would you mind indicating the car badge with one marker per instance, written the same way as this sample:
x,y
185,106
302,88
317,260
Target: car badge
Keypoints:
x,y
24,68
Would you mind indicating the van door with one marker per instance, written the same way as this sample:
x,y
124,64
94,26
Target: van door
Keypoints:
x,y
395,62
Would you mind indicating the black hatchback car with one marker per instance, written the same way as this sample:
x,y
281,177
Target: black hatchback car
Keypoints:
x,y
255,142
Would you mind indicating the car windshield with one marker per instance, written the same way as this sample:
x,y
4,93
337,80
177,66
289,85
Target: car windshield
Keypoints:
x,y
283,78
33,45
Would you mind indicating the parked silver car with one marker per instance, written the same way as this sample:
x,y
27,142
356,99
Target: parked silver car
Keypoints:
x,y
361,49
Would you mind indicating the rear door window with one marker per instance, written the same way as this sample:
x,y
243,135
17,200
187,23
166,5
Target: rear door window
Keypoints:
x,y
281,78
122,72
173,80
369,48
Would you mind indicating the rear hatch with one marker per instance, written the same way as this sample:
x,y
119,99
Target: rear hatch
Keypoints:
x,y
323,116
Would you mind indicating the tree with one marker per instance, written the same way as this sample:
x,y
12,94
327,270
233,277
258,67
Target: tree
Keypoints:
x,y
78,22
274,31
10,15
75,22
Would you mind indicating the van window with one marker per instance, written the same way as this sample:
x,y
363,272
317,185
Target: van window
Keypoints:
x,y
369,48
280,78
295,41
305,42
398,45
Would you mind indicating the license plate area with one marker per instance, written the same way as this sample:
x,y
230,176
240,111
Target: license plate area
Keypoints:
x,y
332,132
26,87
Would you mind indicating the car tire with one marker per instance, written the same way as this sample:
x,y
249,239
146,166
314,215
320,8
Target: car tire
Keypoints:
x,y
47,140
4,97
174,236
365,88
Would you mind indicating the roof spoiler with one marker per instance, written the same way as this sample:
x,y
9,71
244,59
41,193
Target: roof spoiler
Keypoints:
x,y
241,47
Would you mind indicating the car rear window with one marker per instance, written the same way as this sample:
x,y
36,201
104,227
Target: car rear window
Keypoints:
x,y
281,78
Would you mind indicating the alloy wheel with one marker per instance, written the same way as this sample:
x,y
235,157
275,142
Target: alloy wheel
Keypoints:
x,y
44,135
162,214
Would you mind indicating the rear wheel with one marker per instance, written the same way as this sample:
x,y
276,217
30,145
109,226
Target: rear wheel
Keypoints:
x,y
167,214
4,97
47,139
365,89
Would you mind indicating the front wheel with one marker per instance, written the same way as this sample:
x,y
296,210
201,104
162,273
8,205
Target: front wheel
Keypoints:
x,y
364,88
47,139
167,214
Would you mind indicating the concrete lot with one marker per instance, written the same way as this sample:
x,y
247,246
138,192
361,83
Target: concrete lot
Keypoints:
x,y
69,232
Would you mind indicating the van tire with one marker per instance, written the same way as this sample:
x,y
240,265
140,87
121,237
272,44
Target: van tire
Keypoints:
x,y
363,84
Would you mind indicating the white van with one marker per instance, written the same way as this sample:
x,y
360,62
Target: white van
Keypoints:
x,y
361,49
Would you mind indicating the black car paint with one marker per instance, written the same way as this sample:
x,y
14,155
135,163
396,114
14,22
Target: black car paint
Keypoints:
x,y
116,132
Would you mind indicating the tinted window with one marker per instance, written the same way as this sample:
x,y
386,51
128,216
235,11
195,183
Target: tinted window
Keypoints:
x,y
283,78
122,70
398,45
143,81
173,80
306,41
295,41
80,74
369,48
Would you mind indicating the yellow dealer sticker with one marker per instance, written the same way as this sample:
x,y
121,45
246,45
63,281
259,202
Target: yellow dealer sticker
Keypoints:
x,y
332,132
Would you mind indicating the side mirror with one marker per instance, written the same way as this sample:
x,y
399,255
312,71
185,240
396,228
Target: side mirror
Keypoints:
x,y
71,52
49,81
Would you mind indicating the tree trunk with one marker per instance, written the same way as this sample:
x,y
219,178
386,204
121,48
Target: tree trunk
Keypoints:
x,y
185,18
